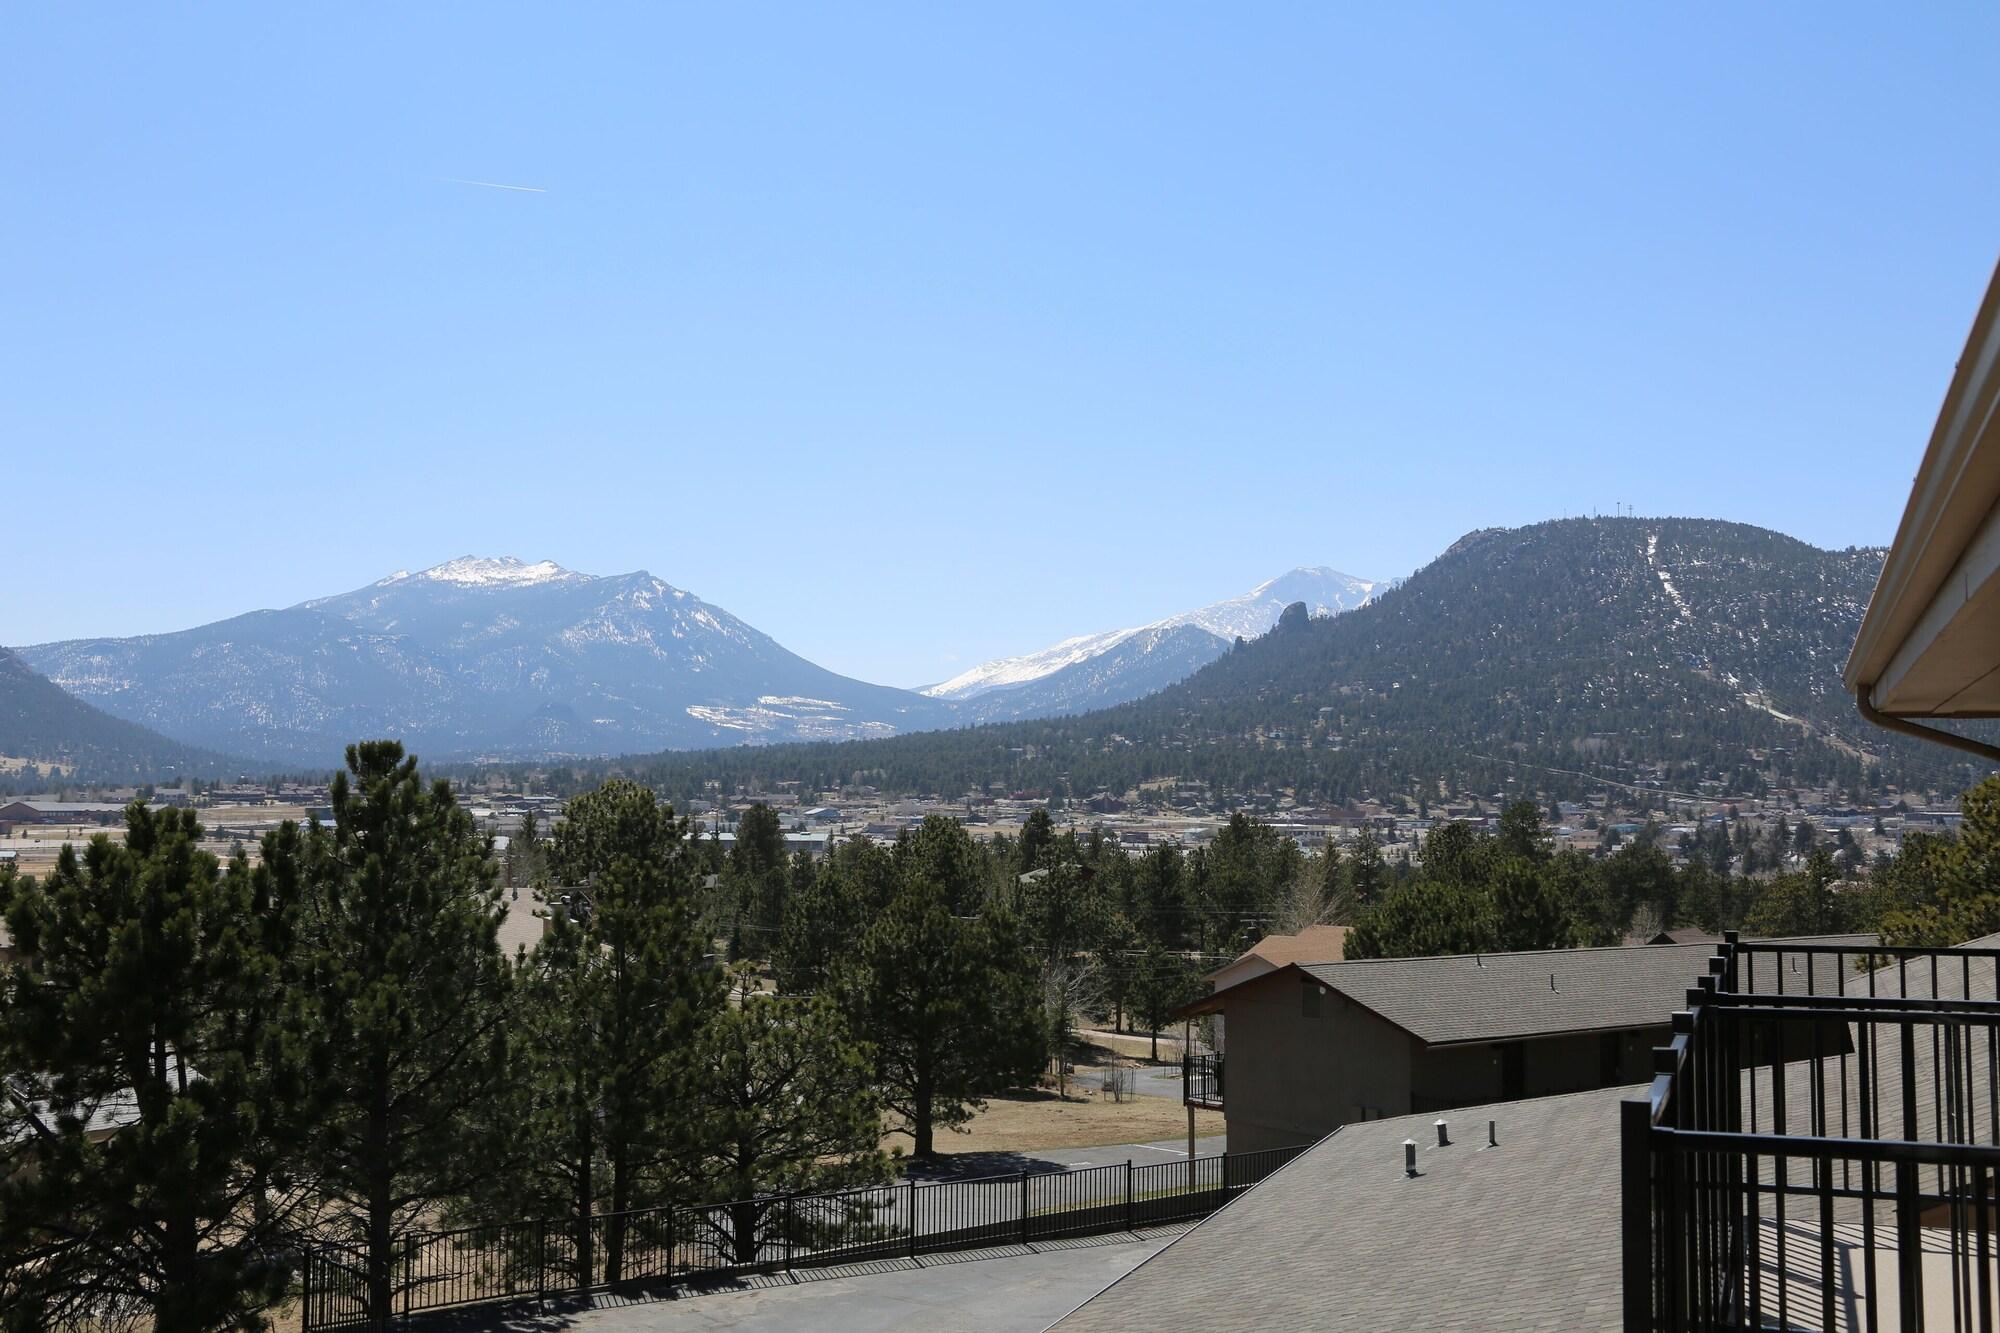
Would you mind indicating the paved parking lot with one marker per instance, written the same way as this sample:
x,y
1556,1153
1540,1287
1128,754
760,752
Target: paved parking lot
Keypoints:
x,y
1015,1289
1006,1289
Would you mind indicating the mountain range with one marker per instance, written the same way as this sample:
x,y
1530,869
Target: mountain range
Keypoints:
x,y
1096,670
498,658
478,657
1680,654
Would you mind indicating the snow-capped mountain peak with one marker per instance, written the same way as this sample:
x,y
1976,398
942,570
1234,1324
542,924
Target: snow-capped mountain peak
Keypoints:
x,y
480,657
484,571
1324,591
1004,671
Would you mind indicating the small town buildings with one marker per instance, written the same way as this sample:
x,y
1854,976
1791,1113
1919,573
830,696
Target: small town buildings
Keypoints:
x,y
102,813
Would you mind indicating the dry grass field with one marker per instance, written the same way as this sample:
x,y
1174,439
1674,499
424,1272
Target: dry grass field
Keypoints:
x,y
1028,1121
1036,1118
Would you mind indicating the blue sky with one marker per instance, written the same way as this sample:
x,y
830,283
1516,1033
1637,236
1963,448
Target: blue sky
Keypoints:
x,y
918,337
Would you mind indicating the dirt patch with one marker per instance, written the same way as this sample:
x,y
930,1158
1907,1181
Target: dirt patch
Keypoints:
x,y
1135,1047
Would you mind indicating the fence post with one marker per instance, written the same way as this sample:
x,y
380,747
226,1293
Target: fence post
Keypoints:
x,y
785,1221
305,1287
541,1261
913,1219
1024,1207
1635,1122
409,1274
1128,1194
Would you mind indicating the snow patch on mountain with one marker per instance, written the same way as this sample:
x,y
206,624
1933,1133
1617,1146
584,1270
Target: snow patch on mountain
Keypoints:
x,y
1004,671
481,571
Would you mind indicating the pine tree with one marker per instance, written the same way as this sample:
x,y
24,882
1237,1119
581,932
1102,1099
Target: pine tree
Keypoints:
x,y
941,851
149,1000
401,928
1164,982
824,917
787,1105
1362,869
612,1000
1527,912
950,1006
1037,832
523,861
756,873
1062,912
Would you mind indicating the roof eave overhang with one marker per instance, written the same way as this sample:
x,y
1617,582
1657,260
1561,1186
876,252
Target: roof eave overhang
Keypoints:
x,y
1923,649
1593,1029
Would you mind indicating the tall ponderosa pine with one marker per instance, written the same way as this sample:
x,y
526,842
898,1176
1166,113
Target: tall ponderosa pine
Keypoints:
x,y
787,1105
148,1000
1162,982
757,872
611,1001
825,916
950,1005
941,851
401,929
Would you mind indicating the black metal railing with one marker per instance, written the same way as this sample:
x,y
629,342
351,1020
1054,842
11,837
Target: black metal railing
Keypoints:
x,y
774,1233
1820,1145
1201,1080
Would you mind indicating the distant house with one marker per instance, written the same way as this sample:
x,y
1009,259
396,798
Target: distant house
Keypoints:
x,y
1314,944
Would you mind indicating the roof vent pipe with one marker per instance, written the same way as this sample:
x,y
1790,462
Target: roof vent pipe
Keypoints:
x,y
1492,1135
1409,1157
1552,981
1444,1138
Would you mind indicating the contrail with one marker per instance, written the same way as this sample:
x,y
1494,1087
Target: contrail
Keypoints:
x,y
494,185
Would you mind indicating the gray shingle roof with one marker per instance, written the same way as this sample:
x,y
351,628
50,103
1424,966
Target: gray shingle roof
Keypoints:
x,y
1520,1236
1497,997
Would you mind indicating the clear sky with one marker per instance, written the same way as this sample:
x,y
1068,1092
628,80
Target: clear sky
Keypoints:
x,y
918,337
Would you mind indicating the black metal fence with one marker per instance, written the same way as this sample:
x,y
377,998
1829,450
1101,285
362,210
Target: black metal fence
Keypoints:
x,y
775,1233
1820,1145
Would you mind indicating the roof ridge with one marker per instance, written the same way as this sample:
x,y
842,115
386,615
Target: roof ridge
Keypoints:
x,y
1520,953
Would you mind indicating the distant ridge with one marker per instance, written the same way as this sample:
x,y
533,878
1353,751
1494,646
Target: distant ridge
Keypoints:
x,y
43,726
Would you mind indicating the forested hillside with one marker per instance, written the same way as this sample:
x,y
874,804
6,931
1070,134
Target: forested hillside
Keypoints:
x,y
44,731
1669,651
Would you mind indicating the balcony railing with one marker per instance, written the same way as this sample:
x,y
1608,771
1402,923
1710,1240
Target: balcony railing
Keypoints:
x,y
1820,1145
1201,1081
